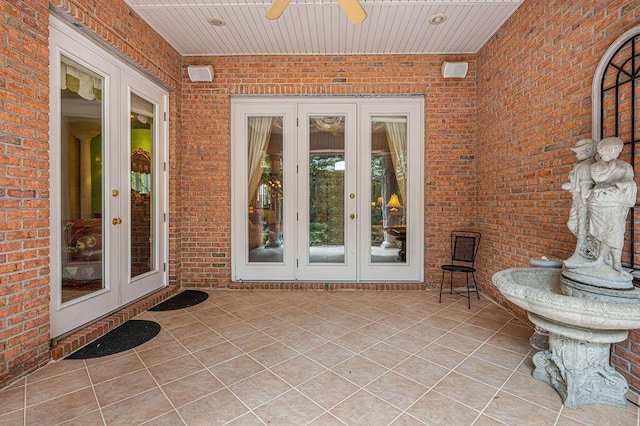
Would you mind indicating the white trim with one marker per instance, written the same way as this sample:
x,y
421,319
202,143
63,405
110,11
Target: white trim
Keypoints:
x,y
411,107
596,86
67,42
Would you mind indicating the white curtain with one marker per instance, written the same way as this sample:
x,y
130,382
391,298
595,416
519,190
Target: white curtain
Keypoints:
x,y
397,138
81,82
259,135
328,124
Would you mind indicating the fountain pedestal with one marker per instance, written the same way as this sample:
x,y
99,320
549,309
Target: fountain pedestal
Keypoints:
x,y
592,302
581,331
577,364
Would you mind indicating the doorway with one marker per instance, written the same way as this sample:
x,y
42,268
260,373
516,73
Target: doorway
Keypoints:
x,y
327,190
108,137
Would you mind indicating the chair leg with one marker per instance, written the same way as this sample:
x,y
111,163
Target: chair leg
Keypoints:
x,y
468,291
475,285
441,283
450,282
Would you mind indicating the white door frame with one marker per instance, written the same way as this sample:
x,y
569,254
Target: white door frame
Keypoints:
x,y
67,42
289,107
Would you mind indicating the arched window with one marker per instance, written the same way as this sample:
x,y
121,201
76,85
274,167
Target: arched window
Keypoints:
x,y
616,112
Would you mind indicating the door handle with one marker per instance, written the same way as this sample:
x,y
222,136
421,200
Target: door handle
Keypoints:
x,y
352,216
116,221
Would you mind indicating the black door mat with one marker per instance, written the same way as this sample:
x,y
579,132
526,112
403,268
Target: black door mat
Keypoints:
x,y
129,335
182,300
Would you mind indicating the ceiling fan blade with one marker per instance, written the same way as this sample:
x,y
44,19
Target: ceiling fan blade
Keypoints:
x,y
277,8
354,10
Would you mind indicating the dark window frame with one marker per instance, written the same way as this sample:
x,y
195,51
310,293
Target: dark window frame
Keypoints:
x,y
622,60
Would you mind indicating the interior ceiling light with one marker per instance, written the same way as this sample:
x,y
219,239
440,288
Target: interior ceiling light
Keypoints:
x,y
216,21
438,19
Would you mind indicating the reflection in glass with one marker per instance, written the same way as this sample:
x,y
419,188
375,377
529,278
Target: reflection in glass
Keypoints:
x,y
142,199
326,189
265,204
388,189
81,180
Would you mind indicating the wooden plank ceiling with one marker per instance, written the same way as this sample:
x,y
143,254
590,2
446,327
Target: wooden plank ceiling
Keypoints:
x,y
318,27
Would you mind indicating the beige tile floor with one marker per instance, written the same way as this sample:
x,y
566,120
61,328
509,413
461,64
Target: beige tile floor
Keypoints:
x,y
310,358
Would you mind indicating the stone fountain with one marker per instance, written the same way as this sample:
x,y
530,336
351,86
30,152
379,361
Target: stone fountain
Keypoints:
x,y
591,301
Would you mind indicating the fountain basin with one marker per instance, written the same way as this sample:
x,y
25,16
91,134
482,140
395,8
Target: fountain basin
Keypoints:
x,y
581,331
539,291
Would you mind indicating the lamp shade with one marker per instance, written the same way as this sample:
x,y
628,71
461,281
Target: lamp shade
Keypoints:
x,y
394,202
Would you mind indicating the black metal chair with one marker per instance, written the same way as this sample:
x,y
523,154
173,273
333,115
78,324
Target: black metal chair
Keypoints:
x,y
464,247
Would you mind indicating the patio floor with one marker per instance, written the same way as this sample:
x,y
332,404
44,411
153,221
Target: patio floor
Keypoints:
x,y
310,358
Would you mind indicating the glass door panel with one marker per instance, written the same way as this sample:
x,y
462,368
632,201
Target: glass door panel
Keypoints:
x,y
389,195
81,149
142,197
265,188
326,189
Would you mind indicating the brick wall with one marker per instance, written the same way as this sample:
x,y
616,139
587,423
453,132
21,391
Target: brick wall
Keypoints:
x,y
24,196
206,191
24,159
534,103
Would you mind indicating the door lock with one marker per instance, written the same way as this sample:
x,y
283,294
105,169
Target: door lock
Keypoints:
x,y
352,216
115,193
116,221
352,195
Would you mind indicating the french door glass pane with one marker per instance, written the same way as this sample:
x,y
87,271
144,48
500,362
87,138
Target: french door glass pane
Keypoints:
x,y
326,189
388,189
142,198
81,180
265,212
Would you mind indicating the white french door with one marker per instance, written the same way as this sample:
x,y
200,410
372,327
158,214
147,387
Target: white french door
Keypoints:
x,y
108,137
327,190
327,201
143,204
391,179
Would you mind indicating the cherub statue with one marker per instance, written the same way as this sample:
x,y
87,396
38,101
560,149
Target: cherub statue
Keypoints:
x,y
579,185
608,203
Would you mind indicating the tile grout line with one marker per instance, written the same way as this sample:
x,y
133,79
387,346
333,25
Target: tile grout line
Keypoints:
x,y
93,390
432,388
335,301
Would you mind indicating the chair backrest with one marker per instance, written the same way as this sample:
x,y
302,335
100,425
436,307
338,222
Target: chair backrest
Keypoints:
x,y
464,246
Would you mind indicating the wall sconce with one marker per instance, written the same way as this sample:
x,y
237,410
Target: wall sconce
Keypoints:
x,y
200,73
454,69
394,203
